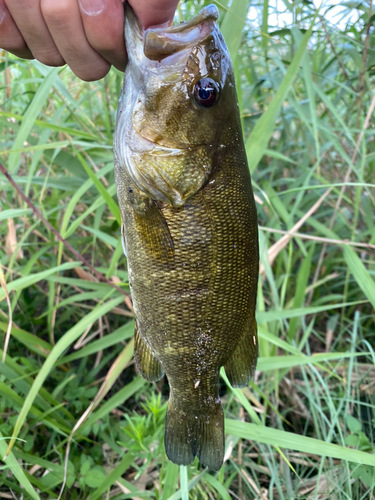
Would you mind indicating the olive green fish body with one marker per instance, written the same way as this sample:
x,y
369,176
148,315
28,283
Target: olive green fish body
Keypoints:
x,y
190,237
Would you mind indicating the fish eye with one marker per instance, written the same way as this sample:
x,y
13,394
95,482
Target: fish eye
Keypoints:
x,y
206,92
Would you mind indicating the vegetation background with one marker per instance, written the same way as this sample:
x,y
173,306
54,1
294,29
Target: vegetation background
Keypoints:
x,y
73,411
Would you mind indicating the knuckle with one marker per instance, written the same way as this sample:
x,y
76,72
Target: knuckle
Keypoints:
x,y
106,45
92,73
55,12
49,58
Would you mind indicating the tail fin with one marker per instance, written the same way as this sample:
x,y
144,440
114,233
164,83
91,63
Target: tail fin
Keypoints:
x,y
188,435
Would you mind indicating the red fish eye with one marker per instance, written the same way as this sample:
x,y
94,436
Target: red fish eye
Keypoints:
x,y
206,92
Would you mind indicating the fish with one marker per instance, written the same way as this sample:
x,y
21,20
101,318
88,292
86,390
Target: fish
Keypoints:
x,y
189,225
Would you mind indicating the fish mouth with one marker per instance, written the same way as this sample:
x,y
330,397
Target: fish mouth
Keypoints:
x,y
162,144
158,43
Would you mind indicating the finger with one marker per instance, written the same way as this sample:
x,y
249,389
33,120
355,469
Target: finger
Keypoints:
x,y
10,36
154,12
103,22
29,20
65,25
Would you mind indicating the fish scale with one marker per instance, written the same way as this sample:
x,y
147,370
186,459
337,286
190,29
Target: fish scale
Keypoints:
x,y
190,226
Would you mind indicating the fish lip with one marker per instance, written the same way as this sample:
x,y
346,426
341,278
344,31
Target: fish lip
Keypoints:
x,y
170,148
208,13
157,43
168,145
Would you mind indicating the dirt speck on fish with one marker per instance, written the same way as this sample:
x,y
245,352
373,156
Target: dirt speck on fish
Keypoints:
x,y
189,225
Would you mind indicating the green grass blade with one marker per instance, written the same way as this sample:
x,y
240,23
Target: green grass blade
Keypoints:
x,y
218,487
14,212
101,235
56,352
112,205
184,483
299,296
277,362
122,333
170,482
17,470
121,468
233,25
29,119
296,442
22,283
258,140
269,337
360,273
116,400
191,484
268,316
265,26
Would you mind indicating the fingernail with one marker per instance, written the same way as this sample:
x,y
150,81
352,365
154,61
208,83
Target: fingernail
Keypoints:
x,y
92,7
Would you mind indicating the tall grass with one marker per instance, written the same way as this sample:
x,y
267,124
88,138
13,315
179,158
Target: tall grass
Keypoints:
x,y
73,411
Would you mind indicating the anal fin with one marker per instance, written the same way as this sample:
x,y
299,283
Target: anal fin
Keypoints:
x,y
240,367
148,365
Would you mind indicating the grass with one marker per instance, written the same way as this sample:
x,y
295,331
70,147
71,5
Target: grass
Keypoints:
x,y
73,411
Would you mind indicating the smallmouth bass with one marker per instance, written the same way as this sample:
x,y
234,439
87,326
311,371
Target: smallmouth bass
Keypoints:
x,y
189,225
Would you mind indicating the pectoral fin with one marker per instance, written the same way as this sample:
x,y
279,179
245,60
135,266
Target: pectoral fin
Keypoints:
x,y
154,231
241,365
148,365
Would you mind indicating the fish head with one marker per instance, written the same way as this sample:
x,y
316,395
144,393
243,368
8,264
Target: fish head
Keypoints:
x,y
178,95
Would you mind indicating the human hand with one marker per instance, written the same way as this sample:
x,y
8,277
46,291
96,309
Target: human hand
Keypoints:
x,y
85,34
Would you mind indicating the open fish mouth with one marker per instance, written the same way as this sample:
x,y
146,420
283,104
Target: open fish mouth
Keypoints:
x,y
156,44
162,145
160,43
